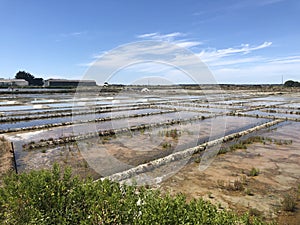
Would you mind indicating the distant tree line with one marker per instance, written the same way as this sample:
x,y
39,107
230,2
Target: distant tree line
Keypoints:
x,y
32,81
291,83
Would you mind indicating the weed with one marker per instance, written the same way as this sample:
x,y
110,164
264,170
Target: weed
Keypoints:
x,y
221,183
254,212
237,185
166,145
238,145
223,150
254,172
289,203
85,164
105,139
198,160
249,192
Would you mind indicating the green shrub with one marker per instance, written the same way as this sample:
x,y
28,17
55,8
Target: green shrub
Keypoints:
x,y
254,172
166,145
223,150
289,203
55,197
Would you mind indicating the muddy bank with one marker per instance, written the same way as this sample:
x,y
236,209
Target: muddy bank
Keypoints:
x,y
6,157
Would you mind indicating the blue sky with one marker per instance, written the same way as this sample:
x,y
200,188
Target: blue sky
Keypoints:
x,y
246,41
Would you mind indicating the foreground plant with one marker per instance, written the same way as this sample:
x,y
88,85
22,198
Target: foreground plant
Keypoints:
x,y
55,197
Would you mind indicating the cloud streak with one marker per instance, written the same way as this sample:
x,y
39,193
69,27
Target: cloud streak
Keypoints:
x,y
213,55
230,65
161,37
65,36
171,37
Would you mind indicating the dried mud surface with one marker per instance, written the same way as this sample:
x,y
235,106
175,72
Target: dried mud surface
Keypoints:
x,y
6,157
279,166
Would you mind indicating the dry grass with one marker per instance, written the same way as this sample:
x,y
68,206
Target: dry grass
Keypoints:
x,y
289,202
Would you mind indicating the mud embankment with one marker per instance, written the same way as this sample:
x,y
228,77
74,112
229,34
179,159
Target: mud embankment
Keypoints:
x,y
7,162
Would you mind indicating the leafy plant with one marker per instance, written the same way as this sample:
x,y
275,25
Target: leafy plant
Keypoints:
x,y
254,172
56,197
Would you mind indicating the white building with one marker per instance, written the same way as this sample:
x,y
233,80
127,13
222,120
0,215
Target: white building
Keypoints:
x,y
13,82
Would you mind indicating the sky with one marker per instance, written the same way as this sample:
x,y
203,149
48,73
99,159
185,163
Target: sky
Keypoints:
x,y
240,41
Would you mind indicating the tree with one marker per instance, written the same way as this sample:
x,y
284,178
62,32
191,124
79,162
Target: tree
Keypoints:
x,y
29,78
38,82
24,75
291,83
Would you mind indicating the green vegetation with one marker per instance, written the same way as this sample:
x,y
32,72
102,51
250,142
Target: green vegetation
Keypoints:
x,y
254,212
255,139
106,139
198,160
166,145
174,133
289,202
291,83
32,81
55,197
236,185
254,172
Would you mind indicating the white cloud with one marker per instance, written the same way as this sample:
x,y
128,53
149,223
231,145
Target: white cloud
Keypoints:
x,y
73,34
161,37
171,37
285,60
212,55
238,64
99,55
65,36
264,71
167,56
269,2
227,62
234,65
188,44
147,35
